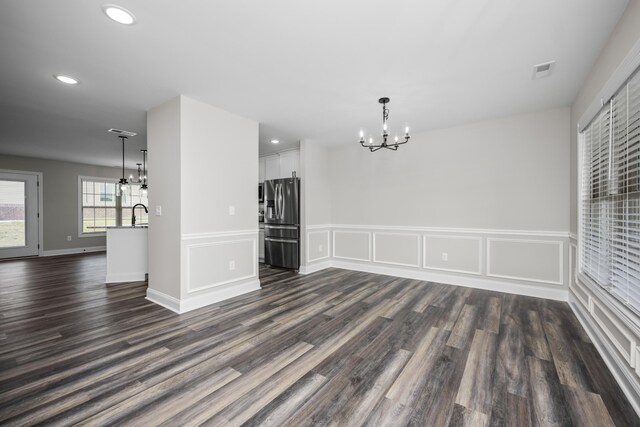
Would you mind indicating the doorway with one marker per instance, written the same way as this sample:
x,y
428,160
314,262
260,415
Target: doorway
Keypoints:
x,y
19,214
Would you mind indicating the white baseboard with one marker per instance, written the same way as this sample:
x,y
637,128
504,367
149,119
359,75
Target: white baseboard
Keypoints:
x,y
308,269
204,298
57,252
125,277
160,298
626,379
219,293
450,279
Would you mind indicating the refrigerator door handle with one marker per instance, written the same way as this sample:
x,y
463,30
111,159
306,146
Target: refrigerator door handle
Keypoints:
x,y
275,200
280,201
269,239
282,227
282,209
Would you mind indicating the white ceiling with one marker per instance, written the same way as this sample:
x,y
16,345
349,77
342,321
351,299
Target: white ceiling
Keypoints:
x,y
304,70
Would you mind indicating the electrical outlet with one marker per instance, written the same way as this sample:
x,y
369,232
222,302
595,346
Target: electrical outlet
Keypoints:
x,y
445,256
68,238
232,210
158,210
319,248
232,265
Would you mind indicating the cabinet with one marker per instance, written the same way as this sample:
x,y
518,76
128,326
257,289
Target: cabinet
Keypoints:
x,y
279,165
262,165
289,163
272,167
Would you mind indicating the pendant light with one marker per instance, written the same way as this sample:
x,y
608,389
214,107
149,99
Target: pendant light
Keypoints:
x,y
122,184
143,188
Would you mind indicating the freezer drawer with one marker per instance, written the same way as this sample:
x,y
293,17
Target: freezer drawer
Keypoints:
x,y
281,253
281,231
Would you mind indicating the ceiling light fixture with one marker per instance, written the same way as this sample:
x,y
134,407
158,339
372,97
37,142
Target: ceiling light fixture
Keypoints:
x,y
119,14
66,79
385,133
274,141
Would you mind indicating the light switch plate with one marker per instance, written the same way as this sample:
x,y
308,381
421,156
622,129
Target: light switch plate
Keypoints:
x,y
232,210
158,210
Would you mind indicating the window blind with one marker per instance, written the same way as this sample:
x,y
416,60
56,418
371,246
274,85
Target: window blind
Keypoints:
x,y
610,196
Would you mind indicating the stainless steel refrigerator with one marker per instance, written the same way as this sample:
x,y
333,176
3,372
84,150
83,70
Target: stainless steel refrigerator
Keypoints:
x,y
282,223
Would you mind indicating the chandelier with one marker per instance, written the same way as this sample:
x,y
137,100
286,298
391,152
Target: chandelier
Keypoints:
x,y
385,133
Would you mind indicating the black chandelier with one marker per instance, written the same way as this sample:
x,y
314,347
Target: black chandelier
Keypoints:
x,y
385,133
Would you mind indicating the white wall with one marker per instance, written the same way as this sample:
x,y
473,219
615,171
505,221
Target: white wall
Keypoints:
x,y
201,252
509,173
315,203
163,143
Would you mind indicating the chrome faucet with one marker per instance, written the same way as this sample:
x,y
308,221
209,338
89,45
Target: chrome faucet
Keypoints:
x,y
133,213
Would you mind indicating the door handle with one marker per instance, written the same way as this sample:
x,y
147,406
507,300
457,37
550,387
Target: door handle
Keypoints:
x,y
282,227
269,239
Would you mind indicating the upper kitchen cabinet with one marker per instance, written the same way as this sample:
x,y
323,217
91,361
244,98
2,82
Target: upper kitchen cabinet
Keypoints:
x,y
262,169
289,161
272,167
280,165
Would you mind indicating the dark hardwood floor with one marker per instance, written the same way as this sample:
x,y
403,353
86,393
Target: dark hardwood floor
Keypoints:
x,y
331,348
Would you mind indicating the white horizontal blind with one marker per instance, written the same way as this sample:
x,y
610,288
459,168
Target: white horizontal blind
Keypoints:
x,y
610,205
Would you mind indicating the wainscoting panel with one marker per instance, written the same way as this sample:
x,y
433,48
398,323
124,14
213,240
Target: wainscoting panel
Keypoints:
x,y
318,245
531,260
463,254
621,338
215,260
352,245
525,262
401,249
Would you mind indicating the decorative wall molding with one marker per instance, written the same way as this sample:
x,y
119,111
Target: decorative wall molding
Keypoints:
x,y
318,227
417,237
217,234
335,232
488,231
560,245
472,276
188,248
444,236
71,251
309,233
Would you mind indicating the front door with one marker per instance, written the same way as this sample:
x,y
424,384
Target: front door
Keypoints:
x,y
19,209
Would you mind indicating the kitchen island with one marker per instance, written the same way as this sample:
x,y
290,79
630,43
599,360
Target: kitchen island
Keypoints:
x,y
127,253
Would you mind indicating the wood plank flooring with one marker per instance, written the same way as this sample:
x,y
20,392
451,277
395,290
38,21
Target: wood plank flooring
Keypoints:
x,y
332,348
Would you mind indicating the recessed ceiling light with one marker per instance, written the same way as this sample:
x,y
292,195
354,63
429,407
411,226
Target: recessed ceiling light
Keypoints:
x,y
119,14
274,141
66,79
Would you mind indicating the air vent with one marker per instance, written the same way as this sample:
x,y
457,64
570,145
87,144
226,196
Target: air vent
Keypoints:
x,y
122,132
543,70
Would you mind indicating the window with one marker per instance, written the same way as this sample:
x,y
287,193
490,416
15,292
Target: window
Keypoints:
x,y
99,203
610,196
